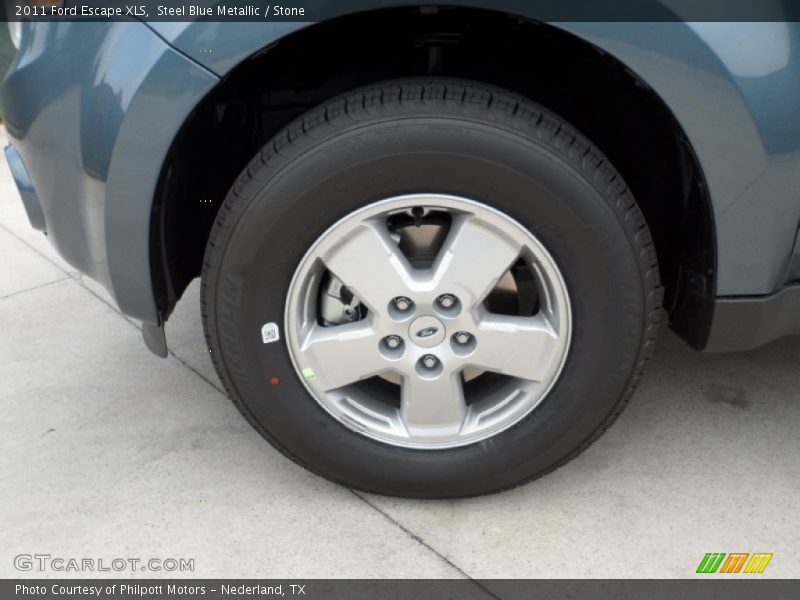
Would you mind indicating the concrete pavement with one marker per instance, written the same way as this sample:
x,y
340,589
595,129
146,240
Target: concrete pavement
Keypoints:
x,y
111,452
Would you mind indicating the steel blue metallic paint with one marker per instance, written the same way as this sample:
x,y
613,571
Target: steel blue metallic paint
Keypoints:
x,y
94,107
23,181
733,87
168,93
744,125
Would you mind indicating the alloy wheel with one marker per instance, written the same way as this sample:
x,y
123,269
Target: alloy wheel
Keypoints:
x,y
433,342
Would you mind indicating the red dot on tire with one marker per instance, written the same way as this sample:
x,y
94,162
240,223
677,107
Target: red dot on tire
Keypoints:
x,y
274,380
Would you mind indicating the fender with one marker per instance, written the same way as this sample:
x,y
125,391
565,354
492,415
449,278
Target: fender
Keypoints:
x,y
737,106
87,140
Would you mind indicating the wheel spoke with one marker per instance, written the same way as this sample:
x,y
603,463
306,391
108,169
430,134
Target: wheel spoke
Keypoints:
x,y
425,323
473,259
370,263
516,346
433,407
342,355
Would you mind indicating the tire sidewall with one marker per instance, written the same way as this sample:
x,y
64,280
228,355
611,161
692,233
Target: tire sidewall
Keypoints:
x,y
289,203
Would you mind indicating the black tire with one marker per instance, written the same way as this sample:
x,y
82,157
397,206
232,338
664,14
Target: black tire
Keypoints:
x,y
447,136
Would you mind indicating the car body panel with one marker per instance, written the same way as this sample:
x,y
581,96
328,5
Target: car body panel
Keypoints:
x,y
94,107
736,101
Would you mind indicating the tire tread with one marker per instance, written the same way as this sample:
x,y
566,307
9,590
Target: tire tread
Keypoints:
x,y
508,110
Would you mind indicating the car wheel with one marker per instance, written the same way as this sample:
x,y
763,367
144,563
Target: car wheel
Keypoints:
x,y
430,288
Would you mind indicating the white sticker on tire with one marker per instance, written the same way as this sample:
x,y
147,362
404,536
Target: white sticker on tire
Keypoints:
x,y
270,333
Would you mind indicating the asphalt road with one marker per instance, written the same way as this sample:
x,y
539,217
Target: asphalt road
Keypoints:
x,y
108,451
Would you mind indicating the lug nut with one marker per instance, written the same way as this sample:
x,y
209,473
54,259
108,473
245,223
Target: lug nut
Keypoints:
x,y
393,341
446,300
462,337
402,303
429,361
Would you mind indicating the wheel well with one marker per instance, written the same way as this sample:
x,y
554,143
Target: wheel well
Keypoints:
x,y
596,93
